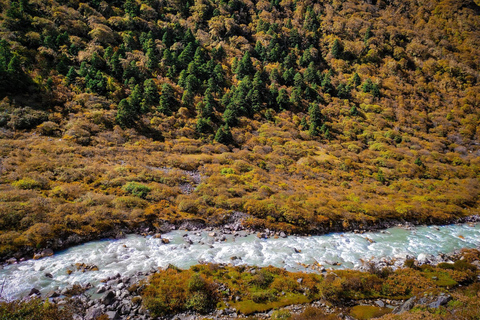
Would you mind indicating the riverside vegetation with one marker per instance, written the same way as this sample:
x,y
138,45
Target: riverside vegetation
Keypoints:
x,y
440,290
308,116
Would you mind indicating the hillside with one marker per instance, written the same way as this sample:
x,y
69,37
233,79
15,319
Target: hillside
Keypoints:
x,y
309,116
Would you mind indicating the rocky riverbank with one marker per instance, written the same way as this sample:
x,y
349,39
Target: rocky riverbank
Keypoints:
x,y
119,297
235,224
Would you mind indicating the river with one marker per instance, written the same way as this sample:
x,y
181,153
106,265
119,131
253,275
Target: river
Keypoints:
x,y
136,253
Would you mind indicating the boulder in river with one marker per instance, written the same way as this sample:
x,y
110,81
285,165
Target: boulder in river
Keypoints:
x,y
34,291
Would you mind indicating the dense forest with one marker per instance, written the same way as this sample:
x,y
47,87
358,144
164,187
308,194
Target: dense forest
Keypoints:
x,y
307,116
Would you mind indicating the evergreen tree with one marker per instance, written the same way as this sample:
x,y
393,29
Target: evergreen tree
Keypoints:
x,y
152,61
71,75
131,8
245,66
367,86
282,99
356,80
260,51
288,76
315,119
126,115
150,96
310,75
327,86
187,98
167,99
343,91
186,56
224,135
368,34
337,49
298,81
135,98
206,111
203,126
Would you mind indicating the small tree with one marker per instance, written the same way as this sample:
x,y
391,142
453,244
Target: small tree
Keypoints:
x,y
224,135
167,99
337,49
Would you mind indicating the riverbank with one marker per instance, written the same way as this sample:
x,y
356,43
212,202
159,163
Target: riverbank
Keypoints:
x,y
94,261
433,286
235,224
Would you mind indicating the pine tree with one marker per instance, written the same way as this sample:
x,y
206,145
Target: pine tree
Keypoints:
x,y
245,66
327,86
71,75
187,98
152,61
282,99
126,115
356,80
131,8
203,126
167,99
260,51
315,119
337,49
150,96
186,56
224,135
310,75
298,81
368,34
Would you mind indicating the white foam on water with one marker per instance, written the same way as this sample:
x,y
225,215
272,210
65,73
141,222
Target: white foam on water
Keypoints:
x,y
136,253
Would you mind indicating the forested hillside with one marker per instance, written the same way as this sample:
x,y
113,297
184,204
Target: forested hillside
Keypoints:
x,y
308,116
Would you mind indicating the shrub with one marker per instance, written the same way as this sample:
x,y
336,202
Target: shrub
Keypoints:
x,y
137,189
34,309
27,184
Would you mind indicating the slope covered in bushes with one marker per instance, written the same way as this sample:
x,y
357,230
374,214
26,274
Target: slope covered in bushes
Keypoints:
x,y
307,115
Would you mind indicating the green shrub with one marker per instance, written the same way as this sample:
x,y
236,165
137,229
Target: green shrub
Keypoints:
x,y
137,189
27,184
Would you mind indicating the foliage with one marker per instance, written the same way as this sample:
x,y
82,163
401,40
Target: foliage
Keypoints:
x,y
308,102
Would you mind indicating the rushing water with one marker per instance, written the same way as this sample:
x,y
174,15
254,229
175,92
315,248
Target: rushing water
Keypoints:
x,y
136,253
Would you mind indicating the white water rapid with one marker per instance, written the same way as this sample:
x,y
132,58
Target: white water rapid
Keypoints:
x,y
136,253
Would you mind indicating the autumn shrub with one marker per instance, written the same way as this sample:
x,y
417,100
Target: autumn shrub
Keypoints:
x,y
172,290
27,184
34,309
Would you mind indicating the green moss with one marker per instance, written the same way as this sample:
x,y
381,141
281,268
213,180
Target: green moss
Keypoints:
x,y
248,306
368,312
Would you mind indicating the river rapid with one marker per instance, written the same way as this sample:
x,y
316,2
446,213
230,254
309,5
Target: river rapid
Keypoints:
x,y
136,253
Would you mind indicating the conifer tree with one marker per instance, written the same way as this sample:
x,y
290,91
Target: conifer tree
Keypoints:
x,y
150,96
167,99
126,115
337,49
224,135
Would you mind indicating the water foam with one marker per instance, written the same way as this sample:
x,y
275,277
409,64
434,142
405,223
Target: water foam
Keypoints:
x,y
136,253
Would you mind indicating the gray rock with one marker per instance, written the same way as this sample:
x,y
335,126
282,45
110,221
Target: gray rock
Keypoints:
x,y
101,290
380,303
300,280
441,301
108,298
283,235
93,313
406,306
49,275
112,315
11,261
